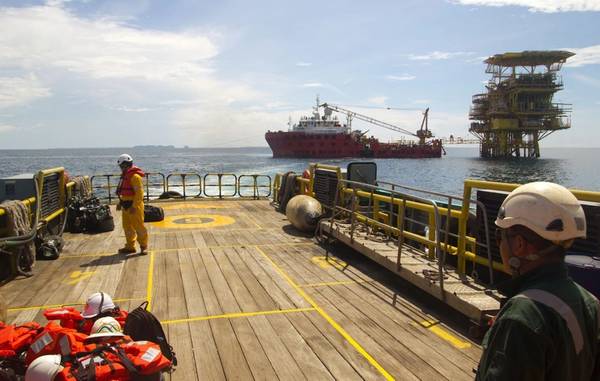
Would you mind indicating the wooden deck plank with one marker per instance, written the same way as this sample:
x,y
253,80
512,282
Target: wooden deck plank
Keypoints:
x,y
206,280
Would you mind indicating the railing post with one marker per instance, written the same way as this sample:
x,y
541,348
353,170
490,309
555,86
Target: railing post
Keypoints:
x,y
401,214
353,216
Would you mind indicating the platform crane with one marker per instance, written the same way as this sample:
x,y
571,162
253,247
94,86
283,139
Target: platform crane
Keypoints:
x,y
422,134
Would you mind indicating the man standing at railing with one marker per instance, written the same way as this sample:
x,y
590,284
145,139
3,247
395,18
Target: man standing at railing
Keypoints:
x,y
549,329
131,201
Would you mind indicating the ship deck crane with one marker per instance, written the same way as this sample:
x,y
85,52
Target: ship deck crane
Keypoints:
x,y
423,133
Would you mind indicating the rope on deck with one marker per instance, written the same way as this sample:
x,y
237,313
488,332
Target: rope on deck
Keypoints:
x,y
18,225
83,186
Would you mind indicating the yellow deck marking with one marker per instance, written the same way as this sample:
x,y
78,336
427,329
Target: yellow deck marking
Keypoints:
x,y
17,309
329,319
192,248
78,276
150,280
75,238
194,221
324,262
237,315
434,326
338,283
195,206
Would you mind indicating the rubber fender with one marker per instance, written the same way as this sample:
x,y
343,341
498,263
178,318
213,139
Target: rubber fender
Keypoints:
x,y
304,212
170,194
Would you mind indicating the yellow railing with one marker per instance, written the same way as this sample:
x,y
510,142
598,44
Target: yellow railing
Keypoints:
x,y
35,207
388,208
469,186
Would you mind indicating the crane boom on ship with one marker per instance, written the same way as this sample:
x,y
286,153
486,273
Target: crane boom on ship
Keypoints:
x,y
423,133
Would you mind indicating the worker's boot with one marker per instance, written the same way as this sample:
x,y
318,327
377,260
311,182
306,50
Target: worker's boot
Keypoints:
x,y
143,250
126,250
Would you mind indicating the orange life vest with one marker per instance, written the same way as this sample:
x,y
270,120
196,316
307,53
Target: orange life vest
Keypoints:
x,y
119,361
70,317
55,339
17,338
125,188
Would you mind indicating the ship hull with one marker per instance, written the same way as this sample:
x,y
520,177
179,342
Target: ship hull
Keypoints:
x,y
331,146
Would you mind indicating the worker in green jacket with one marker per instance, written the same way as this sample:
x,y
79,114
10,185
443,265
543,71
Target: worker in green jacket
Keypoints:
x,y
549,329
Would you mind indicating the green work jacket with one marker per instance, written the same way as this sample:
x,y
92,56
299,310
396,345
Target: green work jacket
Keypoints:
x,y
549,329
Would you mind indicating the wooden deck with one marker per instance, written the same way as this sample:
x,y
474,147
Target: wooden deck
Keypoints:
x,y
242,296
461,292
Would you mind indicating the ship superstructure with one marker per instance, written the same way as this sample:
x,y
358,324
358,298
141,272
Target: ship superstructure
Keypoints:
x,y
324,136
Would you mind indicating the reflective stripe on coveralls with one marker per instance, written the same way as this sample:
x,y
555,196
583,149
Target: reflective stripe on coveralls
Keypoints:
x,y
561,308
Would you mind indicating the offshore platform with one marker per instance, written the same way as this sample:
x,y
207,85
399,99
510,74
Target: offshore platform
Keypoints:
x,y
517,110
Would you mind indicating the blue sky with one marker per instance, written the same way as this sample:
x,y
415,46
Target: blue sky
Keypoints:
x,y
202,73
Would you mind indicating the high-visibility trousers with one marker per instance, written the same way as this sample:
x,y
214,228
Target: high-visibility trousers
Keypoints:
x,y
133,226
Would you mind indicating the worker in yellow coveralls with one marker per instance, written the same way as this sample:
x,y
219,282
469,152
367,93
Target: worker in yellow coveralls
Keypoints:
x,y
131,202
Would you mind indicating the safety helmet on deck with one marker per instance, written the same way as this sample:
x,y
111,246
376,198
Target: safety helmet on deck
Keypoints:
x,y
106,327
44,368
550,210
96,304
124,158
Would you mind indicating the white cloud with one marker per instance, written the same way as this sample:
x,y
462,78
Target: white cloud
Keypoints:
x,y
584,56
303,64
16,91
595,82
197,125
6,128
57,43
437,55
405,77
313,84
131,109
378,100
549,6
53,37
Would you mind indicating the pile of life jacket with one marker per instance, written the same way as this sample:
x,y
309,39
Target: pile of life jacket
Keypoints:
x,y
15,340
70,317
120,358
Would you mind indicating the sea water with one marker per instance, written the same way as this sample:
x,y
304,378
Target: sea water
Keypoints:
x,y
572,167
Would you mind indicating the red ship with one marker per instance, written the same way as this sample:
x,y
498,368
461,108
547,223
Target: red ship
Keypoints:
x,y
323,136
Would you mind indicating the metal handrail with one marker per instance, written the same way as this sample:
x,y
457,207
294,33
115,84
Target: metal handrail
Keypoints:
x,y
107,187
361,190
184,185
256,186
148,183
220,185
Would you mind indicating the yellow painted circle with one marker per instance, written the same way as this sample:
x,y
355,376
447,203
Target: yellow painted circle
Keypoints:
x,y
194,221
198,205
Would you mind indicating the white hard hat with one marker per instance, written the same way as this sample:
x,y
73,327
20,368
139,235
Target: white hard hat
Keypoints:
x,y
548,209
106,327
44,368
96,304
124,158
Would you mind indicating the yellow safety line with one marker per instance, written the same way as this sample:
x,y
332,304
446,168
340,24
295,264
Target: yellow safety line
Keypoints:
x,y
190,248
150,280
237,315
159,232
434,327
62,305
329,319
333,283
